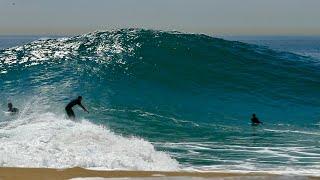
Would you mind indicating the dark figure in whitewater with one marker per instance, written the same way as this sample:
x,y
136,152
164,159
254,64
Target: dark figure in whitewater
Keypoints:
x,y
74,102
254,120
11,109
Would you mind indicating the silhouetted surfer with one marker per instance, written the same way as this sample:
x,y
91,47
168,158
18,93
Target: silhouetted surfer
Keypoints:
x,y
74,102
255,120
12,109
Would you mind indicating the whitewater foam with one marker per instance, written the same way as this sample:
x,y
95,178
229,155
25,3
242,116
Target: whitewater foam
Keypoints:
x,y
283,155
47,140
292,131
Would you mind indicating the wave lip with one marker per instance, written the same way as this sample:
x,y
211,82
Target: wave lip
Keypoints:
x,y
50,141
100,47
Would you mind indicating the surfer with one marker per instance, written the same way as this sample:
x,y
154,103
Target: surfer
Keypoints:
x,y
12,109
74,102
255,120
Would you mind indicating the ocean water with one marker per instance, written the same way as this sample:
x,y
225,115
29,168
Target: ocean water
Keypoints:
x,y
160,101
302,45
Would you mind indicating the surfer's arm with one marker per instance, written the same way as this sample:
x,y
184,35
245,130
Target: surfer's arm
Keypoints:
x,y
83,108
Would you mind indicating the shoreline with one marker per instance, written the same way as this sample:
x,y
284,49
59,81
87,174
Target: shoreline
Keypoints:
x,y
77,172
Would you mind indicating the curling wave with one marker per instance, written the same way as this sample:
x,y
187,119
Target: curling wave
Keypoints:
x,y
191,95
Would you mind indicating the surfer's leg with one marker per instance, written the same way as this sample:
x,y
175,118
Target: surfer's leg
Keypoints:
x,y
70,113
72,116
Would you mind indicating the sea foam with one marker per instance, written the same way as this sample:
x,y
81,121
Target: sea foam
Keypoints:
x,y
47,140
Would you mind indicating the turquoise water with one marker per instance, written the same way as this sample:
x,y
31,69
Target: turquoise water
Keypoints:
x,y
160,101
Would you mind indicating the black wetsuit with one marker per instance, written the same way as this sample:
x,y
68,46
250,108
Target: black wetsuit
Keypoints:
x,y
255,121
14,110
69,110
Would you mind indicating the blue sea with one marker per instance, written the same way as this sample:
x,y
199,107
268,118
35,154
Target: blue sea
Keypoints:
x,y
162,100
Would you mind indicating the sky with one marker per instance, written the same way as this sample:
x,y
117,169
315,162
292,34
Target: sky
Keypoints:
x,y
222,17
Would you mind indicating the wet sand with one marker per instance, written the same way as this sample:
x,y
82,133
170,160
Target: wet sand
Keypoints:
x,y
50,174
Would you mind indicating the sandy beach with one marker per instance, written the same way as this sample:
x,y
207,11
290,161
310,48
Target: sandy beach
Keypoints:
x,y
80,173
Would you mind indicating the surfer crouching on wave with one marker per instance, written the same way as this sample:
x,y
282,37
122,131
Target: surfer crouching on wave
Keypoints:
x,y
255,120
11,109
74,102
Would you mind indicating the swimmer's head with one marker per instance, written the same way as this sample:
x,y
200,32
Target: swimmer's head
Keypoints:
x,y
254,115
9,105
80,98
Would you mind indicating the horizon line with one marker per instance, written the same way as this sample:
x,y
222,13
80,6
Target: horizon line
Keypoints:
x,y
206,31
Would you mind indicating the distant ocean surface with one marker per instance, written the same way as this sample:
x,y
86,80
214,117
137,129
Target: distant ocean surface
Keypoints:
x,y
303,45
162,101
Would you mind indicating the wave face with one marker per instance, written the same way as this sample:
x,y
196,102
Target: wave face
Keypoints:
x,y
190,95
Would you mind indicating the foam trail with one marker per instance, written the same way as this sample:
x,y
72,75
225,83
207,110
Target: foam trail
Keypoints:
x,y
47,140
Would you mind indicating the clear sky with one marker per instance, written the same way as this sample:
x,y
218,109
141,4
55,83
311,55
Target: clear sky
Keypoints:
x,y
223,17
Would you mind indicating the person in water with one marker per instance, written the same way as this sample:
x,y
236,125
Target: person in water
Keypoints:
x,y
12,109
255,120
74,102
